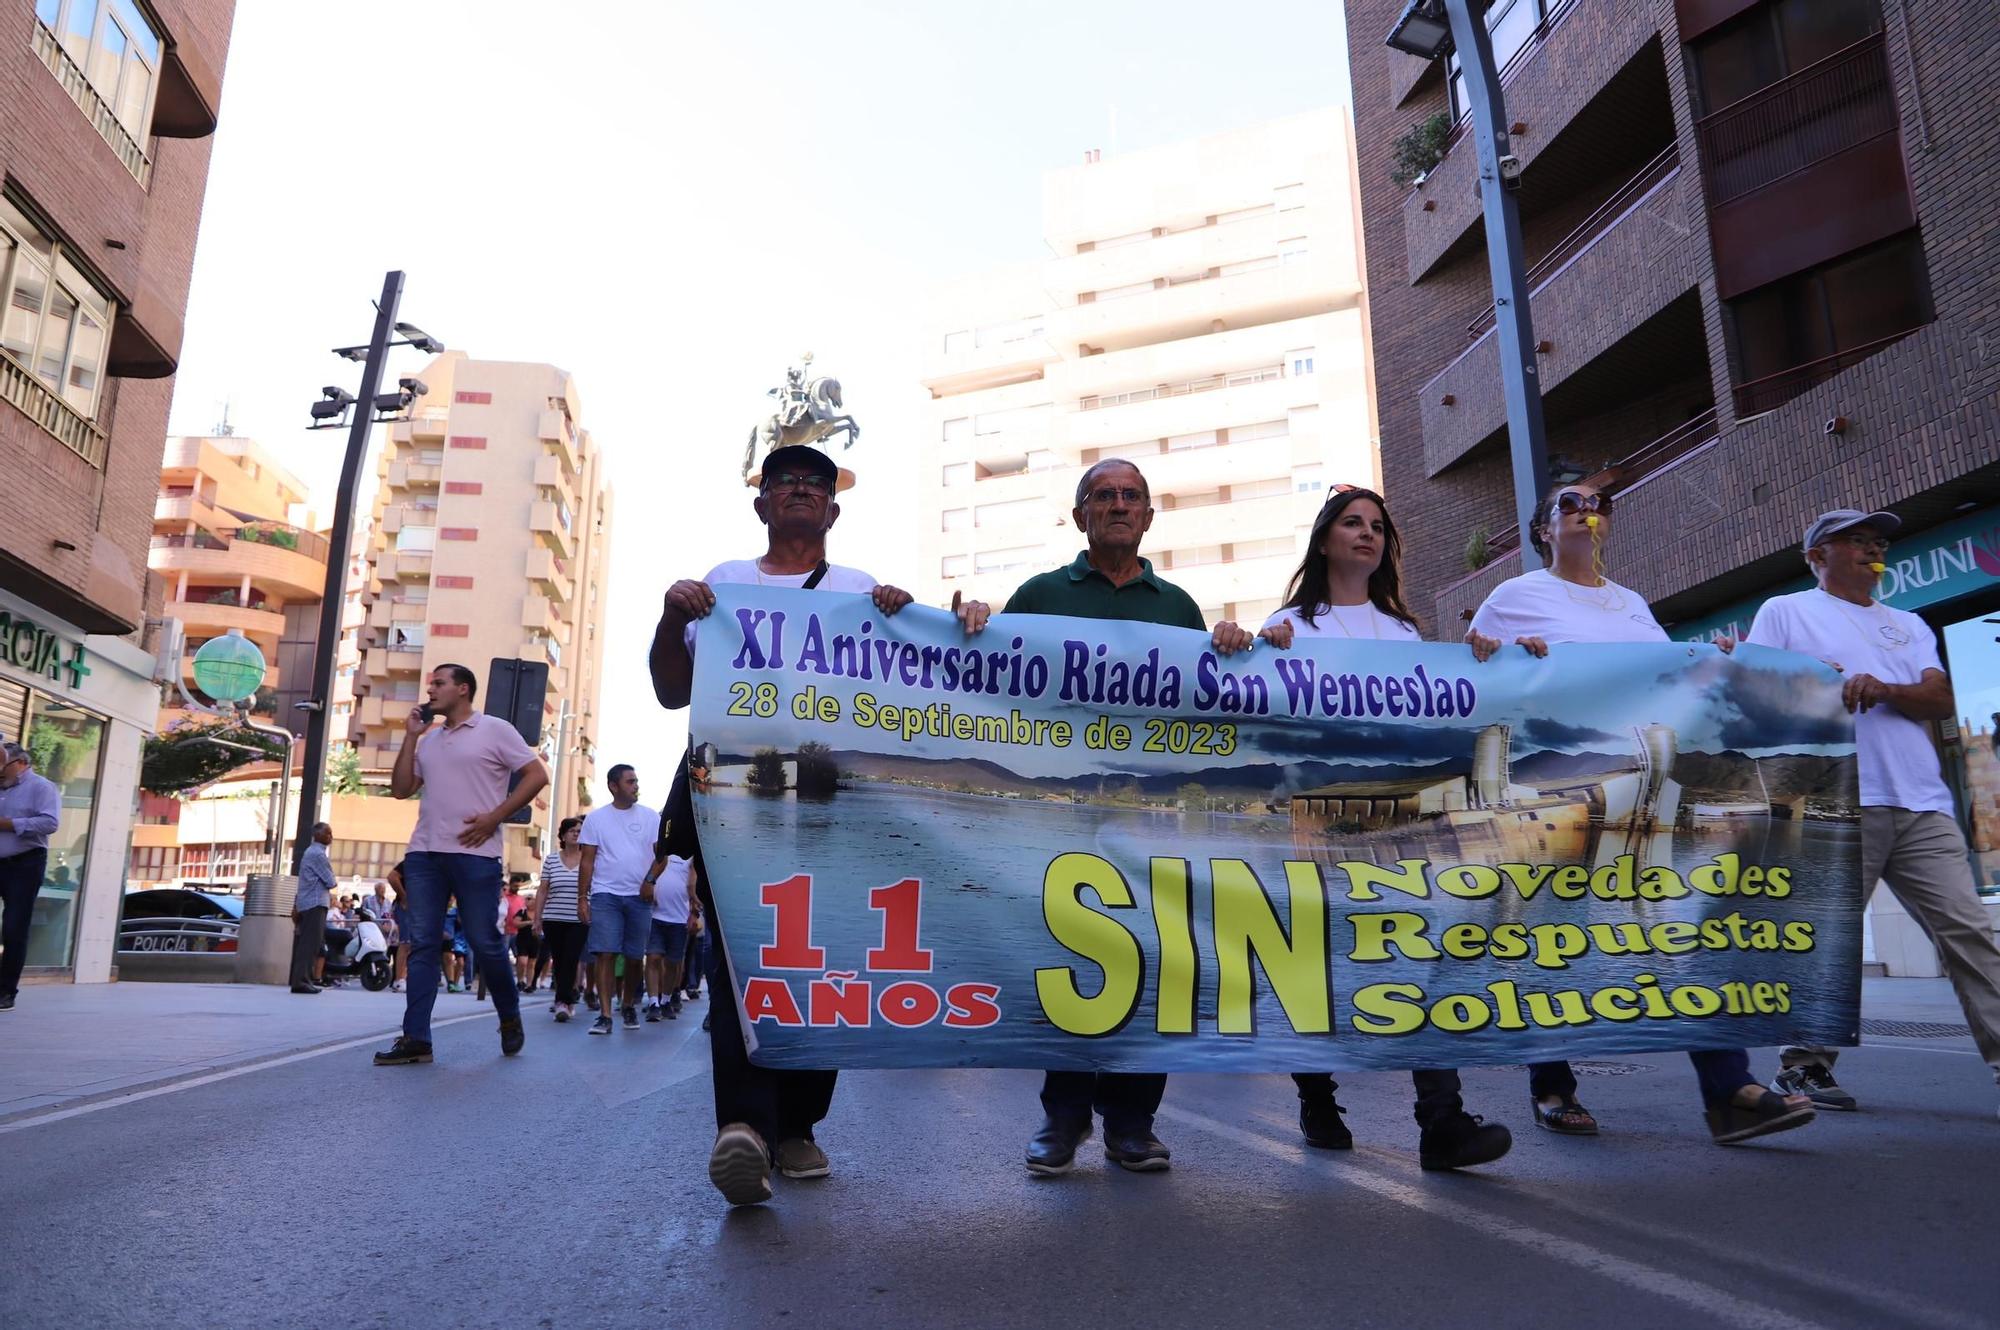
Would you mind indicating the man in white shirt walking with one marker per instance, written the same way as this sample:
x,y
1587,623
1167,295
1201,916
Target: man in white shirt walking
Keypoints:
x,y
1895,686
615,885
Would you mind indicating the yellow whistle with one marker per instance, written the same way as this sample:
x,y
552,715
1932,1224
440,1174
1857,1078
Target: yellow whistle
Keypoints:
x,y
1591,521
1878,568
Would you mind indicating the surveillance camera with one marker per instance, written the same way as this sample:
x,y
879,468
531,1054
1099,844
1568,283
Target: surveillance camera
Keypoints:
x,y
1835,425
414,387
333,394
1510,172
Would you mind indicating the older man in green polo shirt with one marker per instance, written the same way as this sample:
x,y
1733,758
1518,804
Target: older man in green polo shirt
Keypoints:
x,y
1108,580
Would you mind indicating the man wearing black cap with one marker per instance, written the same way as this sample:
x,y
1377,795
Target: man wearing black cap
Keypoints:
x,y
1895,686
760,1111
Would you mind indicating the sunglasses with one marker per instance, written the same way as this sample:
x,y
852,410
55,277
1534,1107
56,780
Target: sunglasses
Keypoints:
x,y
1569,503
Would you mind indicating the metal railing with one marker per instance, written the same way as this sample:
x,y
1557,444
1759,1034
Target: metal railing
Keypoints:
x,y
58,418
1605,216
1774,390
1835,104
200,540
1212,383
48,47
309,543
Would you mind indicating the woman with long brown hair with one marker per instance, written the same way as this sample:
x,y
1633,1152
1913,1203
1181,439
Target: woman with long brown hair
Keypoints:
x,y
1349,587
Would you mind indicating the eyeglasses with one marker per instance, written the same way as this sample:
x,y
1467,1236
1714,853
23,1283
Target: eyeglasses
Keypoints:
x,y
1569,502
1867,540
786,480
1112,494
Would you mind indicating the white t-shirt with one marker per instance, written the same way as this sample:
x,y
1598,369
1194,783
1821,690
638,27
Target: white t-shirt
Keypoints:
x,y
1540,604
1363,623
670,893
746,571
1899,765
624,841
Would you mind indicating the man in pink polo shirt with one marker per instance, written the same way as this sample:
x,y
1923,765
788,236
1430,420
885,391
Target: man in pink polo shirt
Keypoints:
x,y
455,852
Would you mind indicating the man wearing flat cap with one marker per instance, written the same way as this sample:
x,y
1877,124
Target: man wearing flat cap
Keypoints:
x,y
763,1115
1895,686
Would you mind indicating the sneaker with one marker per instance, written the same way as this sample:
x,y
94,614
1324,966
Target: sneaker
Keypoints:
x,y
801,1157
1461,1141
631,1015
602,1025
404,1052
1814,1081
1320,1124
562,1013
674,1008
652,1013
6,1002
451,988
739,1166
512,1036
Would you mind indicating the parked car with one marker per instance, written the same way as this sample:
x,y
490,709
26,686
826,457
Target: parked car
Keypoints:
x,y
176,919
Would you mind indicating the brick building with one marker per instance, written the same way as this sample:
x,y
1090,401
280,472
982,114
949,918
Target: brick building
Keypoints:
x,y
105,111
1764,285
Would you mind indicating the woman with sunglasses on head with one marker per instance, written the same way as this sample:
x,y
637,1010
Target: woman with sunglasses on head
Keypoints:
x,y
1349,587
1573,601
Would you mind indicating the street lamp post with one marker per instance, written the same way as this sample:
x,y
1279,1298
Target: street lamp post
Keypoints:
x,y
327,414
1431,30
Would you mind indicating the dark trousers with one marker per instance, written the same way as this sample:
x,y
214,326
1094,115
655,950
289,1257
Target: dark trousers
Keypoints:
x,y
308,937
1721,1072
1437,1092
565,945
431,878
20,882
697,961
778,1104
1125,1100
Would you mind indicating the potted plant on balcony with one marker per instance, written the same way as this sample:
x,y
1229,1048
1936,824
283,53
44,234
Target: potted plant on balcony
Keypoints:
x,y
1418,150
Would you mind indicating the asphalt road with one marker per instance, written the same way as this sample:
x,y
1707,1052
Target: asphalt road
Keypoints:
x,y
568,1188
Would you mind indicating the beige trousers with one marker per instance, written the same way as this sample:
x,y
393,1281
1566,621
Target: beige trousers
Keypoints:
x,y
1923,858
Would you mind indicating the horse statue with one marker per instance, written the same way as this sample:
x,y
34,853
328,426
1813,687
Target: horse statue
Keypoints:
x,y
809,410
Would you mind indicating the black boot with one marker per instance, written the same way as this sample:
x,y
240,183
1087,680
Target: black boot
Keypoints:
x,y
1462,1140
1320,1124
1053,1150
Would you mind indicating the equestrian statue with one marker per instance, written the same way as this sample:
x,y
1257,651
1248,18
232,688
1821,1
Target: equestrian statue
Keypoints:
x,y
809,411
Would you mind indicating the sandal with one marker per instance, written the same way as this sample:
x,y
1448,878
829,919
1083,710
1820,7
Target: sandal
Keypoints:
x,y
1734,1122
1568,1118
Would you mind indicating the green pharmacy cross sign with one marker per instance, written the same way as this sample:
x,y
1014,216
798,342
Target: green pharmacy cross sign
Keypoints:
x,y
27,645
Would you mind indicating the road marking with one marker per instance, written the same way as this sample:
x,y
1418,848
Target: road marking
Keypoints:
x,y
227,1074
1706,1299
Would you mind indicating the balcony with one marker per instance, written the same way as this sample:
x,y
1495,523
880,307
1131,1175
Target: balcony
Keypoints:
x,y
31,397
1805,170
183,509
415,475
552,522
537,612
291,561
405,565
1774,390
382,662
212,618
1637,245
550,574
386,613
559,433
1226,523
1311,285
48,47
550,474
1220,402
1580,53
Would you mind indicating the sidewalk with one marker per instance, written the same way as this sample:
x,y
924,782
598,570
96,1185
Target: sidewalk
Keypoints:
x,y
65,1043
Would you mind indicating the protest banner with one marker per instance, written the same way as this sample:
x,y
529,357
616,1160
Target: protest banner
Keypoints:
x,y
1073,843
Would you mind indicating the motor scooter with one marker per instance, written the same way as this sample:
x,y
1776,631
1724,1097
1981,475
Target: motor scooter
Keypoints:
x,y
366,954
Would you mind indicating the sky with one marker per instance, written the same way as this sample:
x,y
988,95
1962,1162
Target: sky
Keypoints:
x,y
673,201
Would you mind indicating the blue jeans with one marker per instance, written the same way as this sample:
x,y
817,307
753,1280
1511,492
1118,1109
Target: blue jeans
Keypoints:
x,y
432,879
619,925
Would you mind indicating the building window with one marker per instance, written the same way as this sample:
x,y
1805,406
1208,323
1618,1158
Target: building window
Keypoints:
x,y
1513,24
958,429
57,323
1260,489
956,473
1293,251
1803,329
1263,429
1006,561
955,565
1309,479
1261,549
416,539
117,49
957,343
1290,198
957,519
1771,42
1301,361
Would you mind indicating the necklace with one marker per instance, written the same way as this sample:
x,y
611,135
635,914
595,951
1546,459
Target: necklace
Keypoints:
x,y
1888,635
1606,597
1340,622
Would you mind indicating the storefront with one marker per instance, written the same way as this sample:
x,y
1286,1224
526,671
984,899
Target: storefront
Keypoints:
x,y
82,705
1950,577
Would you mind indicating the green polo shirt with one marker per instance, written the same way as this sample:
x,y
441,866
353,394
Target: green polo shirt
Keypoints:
x,y
1082,592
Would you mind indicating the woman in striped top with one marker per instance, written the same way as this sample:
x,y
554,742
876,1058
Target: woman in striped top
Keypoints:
x,y
555,914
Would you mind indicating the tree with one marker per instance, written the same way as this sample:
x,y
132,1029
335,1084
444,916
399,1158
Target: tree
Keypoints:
x,y
183,759
1193,797
343,770
767,770
818,772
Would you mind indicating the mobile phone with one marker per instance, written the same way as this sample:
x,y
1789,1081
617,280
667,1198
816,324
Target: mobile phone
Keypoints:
x,y
427,712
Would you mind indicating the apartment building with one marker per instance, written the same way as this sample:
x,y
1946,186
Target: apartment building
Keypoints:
x,y
1202,315
234,549
490,530
105,111
1764,285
